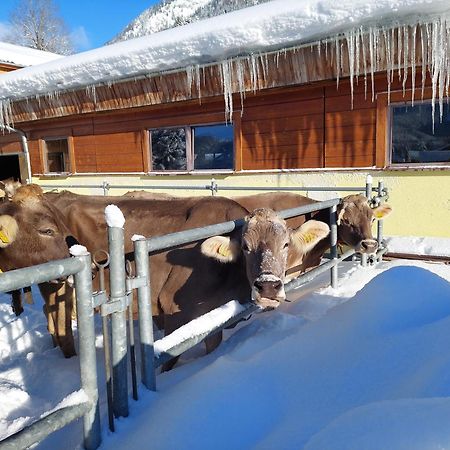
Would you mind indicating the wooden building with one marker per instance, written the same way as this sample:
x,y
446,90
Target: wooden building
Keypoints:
x,y
322,113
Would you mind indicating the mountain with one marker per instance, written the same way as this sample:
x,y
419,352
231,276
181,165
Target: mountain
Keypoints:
x,y
173,13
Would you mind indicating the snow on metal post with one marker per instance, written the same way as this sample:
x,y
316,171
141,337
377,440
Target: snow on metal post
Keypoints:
x,y
86,338
380,221
145,316
117,306
333,245
369,181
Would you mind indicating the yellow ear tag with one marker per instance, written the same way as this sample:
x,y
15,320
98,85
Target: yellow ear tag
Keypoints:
x,y
224,250
378,214
308,237
3,237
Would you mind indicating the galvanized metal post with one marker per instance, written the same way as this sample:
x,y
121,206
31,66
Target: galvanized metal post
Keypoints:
x,y
333,245
88,365
105,187
380,221
145,315
369,182
213,187
118,320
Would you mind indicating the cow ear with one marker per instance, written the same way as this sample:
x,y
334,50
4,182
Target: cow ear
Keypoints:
x,y
309,234
222,248
382,211
8,230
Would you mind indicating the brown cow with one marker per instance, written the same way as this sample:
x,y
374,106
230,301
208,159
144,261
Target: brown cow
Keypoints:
x,y
8,188
33,231
355,218
186,284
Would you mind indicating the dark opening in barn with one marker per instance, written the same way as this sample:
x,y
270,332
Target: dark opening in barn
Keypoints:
x,y
9,167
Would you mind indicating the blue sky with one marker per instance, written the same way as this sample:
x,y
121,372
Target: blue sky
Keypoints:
x,y
91,22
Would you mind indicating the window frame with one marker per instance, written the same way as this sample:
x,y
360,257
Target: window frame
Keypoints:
x,y
190,150
70,153
384,129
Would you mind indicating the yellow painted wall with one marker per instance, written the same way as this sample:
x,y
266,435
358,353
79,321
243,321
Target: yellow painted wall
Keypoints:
x,y
421,199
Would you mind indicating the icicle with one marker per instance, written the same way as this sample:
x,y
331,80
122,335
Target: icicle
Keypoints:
x,y
372,60
189,79
399,52
389,67
364,56
197,82
338,60
405,57
424,59
350,36
413,64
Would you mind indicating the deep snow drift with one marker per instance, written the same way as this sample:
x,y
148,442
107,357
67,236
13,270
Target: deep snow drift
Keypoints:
x,y
364,366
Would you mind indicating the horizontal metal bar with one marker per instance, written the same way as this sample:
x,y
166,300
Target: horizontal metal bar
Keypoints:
x,y
184,237
19,278
192,235
308,276
43,427
208,187
99,298
306,209
190,342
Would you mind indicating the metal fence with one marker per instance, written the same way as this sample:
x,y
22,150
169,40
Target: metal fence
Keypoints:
x,y
80,267
118,303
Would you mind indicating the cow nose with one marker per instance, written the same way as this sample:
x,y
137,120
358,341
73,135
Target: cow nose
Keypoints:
x,y
262,286
368,246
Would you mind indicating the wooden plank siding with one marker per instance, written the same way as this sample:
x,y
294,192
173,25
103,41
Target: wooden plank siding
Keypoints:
x,y
303,127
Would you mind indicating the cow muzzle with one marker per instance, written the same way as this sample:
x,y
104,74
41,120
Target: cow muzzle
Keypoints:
x,y
367,246
268,291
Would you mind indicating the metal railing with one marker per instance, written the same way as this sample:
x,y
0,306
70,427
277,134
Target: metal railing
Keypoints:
x,y
80,267
143,247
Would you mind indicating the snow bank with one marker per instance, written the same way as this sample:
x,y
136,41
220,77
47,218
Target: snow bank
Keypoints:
x,y
419,245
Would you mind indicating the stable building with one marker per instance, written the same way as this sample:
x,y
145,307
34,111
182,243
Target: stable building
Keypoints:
x,y
270,96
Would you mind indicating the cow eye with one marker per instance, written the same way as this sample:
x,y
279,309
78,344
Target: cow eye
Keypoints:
x,y
47,232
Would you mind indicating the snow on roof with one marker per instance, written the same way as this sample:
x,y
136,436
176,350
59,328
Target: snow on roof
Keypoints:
x,y
269,26
24,56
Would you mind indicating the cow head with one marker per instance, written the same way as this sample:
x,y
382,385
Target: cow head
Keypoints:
x,y
8,188
32,231
267,246
355,218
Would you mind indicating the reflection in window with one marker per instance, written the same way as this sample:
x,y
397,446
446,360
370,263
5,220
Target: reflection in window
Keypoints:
x,y
413,140
169,149
207,147
57,155
213,147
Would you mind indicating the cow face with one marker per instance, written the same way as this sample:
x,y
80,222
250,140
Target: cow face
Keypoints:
x,y
355,219
32,231
8,188
266,245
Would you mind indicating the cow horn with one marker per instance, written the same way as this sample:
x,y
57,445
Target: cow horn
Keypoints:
x,y
8,230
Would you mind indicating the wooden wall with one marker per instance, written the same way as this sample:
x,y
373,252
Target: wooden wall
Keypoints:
x,y
285,128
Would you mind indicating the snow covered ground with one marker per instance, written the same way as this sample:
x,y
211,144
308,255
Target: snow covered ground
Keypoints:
x,y
364,366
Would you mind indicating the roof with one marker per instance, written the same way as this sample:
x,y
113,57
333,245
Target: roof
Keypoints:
x,y
238,42
19,56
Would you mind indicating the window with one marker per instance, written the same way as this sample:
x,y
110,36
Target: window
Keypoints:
x,y
56,155
208,147
413,139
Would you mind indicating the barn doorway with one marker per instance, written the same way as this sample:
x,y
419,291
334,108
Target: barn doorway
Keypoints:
x,y
9,167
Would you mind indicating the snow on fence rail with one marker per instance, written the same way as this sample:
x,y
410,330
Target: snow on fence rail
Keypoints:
x,y
80,267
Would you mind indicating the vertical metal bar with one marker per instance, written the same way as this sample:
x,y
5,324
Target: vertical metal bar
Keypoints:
x,y
213,187
145,316
380,221
132,351
105,187
107,354
118,321
369,181
333,245
88,365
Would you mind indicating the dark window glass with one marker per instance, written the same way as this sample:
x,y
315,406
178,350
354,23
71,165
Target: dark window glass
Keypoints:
x,y
169,149
57,155
413,140
213,147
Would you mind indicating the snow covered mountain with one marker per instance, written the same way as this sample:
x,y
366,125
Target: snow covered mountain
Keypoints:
x,y
173,13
